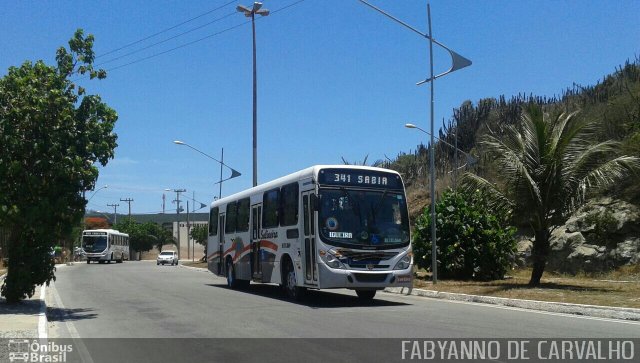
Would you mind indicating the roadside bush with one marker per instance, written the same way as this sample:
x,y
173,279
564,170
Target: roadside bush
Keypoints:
x,y
473,242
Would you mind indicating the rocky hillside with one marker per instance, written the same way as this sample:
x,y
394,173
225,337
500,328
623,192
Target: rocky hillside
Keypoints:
x,y
603,233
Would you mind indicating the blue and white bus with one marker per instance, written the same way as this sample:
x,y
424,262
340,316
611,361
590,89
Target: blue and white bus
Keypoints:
x,y
105,245
325,227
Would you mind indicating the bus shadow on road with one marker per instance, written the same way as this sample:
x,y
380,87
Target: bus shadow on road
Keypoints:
x,y
58,314
314,299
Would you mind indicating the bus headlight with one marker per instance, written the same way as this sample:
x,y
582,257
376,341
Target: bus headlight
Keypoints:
x,y
331,260
404,262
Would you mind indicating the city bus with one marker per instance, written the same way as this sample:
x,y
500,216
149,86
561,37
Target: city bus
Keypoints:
x,y
105,245
324,227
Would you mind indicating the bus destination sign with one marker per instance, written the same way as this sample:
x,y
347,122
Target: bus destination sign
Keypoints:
x,y
359,178
95,233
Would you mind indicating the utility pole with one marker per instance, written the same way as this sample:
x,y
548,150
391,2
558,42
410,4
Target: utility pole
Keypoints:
x,y
177,191
188,234
115,215
128,200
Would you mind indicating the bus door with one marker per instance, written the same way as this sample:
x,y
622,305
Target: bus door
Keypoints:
x,y
221,244
256,254
309,248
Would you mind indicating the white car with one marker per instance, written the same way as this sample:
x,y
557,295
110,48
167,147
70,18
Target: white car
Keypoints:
x,y
167,257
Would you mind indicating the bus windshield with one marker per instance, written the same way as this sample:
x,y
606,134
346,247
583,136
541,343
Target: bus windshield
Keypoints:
x,y
363,219
92,244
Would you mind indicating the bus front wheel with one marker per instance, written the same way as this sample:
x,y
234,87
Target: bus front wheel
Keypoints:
x,y
293,292
366,295
231,275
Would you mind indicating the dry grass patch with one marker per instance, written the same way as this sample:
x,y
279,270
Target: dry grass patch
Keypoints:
x,y
617,288
197,264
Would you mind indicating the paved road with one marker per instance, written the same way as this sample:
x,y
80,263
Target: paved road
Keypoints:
x,y
142,300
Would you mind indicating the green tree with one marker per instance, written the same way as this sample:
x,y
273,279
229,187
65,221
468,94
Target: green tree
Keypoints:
x,y
200,233
548,164
142,236
51,135
163,236
473,242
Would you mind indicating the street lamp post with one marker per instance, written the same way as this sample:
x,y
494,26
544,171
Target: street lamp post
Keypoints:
x,y
234,173
457,62
470,160
96,192
251,13
177,191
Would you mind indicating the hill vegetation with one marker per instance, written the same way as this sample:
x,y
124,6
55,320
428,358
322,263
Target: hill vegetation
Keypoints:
x,y
613,102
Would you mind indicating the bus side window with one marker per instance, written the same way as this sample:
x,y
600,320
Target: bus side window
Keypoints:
x,y
271,203
242,224
213,222
230,224
289,205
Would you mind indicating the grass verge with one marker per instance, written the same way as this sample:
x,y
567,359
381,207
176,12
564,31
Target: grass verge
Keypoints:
x,y
619,288
197,264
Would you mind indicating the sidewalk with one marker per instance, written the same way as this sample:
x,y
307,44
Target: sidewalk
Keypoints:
x,y
22,320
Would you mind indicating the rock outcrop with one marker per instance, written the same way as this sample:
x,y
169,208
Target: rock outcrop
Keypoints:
x,y
602,234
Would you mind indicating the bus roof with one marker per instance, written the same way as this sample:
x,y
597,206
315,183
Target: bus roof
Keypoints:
x,y
298,175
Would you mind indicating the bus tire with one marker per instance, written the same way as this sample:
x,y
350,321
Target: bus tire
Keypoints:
x,y
88,262
289,282
231,275
366,295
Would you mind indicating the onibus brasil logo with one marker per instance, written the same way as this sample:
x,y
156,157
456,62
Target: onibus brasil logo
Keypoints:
x,y
25,350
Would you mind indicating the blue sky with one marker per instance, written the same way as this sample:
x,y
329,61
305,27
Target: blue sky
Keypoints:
x,y
335,78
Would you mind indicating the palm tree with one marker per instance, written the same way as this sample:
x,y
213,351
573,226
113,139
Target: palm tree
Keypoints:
x,y
547,166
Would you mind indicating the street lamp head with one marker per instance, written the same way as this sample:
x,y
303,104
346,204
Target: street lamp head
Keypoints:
x,y
178,142
244,9
410,126
256,9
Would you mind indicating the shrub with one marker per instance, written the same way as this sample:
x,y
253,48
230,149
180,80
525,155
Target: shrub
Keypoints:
x,y
473,242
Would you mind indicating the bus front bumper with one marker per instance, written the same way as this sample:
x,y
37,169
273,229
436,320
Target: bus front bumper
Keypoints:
x,y
362,279
98,256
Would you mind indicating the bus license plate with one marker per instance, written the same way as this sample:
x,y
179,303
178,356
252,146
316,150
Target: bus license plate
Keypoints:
x,y
403,278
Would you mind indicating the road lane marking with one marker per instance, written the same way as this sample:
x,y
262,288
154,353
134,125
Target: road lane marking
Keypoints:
x,y
42,320
73,333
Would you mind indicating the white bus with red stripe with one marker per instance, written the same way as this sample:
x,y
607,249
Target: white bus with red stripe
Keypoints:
x,y
325,227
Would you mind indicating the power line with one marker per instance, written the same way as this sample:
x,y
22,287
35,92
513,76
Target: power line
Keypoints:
x,y
165,30
194,41
165,40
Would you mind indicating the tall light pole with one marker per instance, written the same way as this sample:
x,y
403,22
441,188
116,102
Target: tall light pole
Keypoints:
x,y
251,13
177,191
96,192
457,62
234,172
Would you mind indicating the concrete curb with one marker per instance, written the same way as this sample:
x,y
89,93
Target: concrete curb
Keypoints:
x,y
201,269
555,307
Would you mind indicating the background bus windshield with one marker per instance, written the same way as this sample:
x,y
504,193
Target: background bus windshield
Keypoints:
x,y
94,243
375,219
